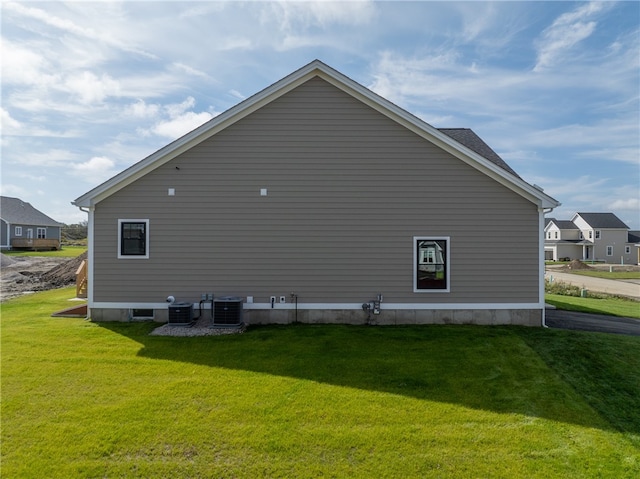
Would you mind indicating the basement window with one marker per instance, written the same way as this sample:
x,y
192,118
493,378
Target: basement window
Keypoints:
x,y
431,264
133,239
142,314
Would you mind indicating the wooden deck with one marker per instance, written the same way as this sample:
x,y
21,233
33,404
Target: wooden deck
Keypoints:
x,y
35,244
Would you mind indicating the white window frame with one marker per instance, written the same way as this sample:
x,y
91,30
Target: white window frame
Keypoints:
x,y
598,234
43,231
447,264
627,250
147,245
609,250
18,231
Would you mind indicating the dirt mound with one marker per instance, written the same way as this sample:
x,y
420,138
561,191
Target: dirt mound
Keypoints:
x,y
27,274
6,261
64,273
576,264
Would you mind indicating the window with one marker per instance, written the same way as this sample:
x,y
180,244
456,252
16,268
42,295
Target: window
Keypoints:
x,y
133,239
581,235
627,250
431,264
590,234
18,230
597,234
609,250
42,233
556,234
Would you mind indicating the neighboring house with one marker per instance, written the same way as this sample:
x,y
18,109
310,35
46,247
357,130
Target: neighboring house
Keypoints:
x,y
318,201
597,237
24,227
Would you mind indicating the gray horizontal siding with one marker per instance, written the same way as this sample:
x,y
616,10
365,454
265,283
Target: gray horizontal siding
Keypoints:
x,y
347,191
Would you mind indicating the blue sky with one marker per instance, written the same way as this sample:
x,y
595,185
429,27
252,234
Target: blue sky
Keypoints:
x,y
90,88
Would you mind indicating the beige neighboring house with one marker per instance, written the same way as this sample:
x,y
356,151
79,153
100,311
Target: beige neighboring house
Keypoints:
x,y
318,201
597,237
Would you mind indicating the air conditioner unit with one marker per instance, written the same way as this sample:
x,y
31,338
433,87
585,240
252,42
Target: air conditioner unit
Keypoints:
x,y
227,311
180,314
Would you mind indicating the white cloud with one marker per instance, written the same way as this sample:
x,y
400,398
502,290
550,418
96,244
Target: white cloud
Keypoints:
x,y
10,126
95,170
566,32
90,88
141,109
294,15
181,124
626,203
173,120
55,157
181,67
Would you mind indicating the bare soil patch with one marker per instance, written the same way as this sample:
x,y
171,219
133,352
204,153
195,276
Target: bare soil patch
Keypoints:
x,y
27,274
576,264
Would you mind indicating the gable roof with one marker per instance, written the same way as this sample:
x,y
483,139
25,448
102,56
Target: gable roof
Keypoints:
x,y
468,138
633,237
563,224
15,211
461,147
602,220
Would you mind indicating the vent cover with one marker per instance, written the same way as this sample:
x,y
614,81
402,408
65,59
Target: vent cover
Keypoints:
x,y
227,311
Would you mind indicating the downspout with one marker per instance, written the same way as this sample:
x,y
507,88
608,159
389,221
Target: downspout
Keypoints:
x,y
542,212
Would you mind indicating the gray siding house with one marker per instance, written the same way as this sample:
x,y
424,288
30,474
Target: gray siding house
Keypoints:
x,y
23,226
318,201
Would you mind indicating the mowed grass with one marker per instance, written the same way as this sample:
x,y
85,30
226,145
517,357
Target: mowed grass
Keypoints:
x,y
65,252
608,305
81,399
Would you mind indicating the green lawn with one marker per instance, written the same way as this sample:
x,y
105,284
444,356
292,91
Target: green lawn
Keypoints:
x,y
606,305
606,274
65,252
81,399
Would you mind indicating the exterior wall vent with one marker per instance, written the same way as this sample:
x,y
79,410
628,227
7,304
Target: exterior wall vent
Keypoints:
x,y
227,311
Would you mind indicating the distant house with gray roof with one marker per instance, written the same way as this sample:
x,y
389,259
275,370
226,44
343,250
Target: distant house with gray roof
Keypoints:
x,y
598,237
24,227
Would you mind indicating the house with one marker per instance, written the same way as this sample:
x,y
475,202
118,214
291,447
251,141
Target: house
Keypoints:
x,y
24,227
318,201
597,237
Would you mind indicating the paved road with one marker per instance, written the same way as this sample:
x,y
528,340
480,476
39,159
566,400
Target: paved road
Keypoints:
x,y
556,318
624,288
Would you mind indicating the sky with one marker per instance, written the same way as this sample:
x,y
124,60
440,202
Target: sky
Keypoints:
x,y
90,88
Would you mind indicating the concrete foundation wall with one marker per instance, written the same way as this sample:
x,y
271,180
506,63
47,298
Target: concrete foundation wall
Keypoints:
x,y
520,317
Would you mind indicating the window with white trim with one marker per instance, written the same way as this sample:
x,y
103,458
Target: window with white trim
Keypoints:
x,y
627,250
597,234
609,250
133,239
18,230
431,264
41,233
